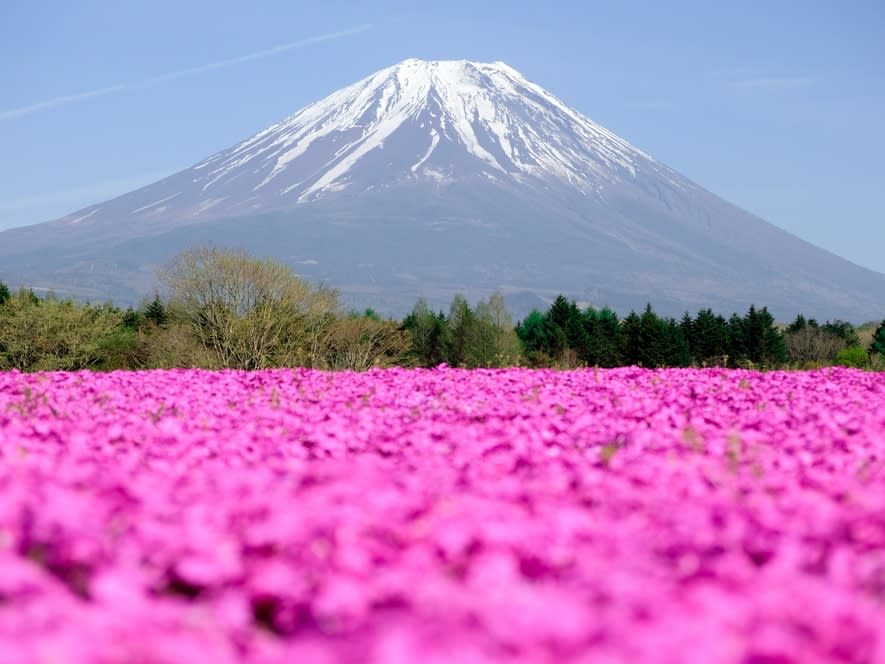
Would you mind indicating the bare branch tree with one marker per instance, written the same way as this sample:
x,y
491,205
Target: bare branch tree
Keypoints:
x,y
250,313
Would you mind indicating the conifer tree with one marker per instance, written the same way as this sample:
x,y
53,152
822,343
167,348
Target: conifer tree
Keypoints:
x,y
563,327
736,341
710,341
764,343
844,330
687,327
678,351
428,334
607,340
4,293
654,339
631,345
798,325
878,345
155,312
532,334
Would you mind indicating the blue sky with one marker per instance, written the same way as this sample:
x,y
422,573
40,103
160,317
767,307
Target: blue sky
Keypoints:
x,y
776,106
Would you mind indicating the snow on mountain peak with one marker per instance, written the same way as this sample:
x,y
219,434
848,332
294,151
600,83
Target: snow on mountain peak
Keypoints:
x,y
503,124
417,121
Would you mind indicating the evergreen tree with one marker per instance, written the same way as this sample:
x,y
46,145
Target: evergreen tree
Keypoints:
x,y
533,334
878,345
736,341
562,321
565,315
844,330
798,325
132,319
678,351
654,339
710,340
631,344
764,343
687,327
606,340
4,293
428,333
156,313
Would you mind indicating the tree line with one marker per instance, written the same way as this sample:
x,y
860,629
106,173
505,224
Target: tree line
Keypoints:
x,y
225,309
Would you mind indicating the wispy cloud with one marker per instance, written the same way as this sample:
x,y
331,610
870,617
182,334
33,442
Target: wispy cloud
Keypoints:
x,y
47,104
773,83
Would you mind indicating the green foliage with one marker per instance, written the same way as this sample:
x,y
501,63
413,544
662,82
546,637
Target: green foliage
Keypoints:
x,y
709,339
798,324
250,313
811,345
52,334
471,340
498,343
155,312
631,341
532,332
678,351
360,342
842,330
231,310
428,333
853,356
878,345
604,332
653,339
764,344
736,341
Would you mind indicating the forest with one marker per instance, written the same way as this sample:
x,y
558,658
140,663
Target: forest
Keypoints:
x,y
227,309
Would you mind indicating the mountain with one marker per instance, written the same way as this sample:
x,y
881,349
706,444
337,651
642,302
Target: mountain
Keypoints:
x,y
430,178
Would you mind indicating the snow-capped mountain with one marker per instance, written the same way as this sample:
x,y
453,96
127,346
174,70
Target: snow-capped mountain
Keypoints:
x,y
435,122
428,178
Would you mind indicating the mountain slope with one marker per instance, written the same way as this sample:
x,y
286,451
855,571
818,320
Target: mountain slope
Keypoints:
x,y
427,178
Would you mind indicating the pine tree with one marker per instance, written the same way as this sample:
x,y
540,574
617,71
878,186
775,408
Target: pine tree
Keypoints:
x,y
710,343
156,313
428,334
764,343
532,334
607,339
736,341
687,327
878,345
4,293
654,339
678,351
631,345
844,330
564,328
798,325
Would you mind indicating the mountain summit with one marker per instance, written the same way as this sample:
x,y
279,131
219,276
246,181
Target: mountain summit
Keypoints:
x,y
432,177
436,122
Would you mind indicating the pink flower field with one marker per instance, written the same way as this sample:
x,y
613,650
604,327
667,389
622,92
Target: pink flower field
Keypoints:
x,y
430,516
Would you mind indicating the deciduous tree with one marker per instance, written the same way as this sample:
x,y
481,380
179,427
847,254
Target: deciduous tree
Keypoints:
x,y
250,313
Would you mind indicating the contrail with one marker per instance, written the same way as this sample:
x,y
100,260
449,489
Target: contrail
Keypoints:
x,y
171,76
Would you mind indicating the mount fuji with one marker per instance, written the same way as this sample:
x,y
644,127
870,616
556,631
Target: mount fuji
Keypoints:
x,y
431,178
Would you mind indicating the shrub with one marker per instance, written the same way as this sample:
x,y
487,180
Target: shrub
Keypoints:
x,y
854,356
